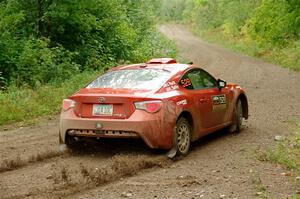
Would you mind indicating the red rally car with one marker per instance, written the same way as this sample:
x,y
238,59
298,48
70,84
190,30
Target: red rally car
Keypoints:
x,y
166,104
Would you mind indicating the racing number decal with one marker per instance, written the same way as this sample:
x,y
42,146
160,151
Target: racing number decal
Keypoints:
x,y
185,82
219,103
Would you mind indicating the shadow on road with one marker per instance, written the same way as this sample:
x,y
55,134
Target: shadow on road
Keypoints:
x,y
110,147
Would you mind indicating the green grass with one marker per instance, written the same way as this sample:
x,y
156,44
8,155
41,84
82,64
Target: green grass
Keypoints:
x,y
287,56
25,104
286,153
294,196
281,155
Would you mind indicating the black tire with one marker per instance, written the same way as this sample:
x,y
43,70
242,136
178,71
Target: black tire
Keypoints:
x,y
183,136
237,118
72,142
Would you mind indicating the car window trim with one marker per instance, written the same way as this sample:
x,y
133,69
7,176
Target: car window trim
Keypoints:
x,y
195,68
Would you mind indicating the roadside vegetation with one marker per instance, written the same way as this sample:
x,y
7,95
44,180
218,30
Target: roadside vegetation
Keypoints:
x,y
22,104
48,49
286,153
266,29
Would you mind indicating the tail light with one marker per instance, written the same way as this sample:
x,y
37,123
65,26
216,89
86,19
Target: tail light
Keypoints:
x,y
149,106
67,104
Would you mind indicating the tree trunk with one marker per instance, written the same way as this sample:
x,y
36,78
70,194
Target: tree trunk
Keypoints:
x,y
39,25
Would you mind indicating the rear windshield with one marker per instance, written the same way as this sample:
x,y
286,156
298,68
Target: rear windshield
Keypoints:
x,y
146,79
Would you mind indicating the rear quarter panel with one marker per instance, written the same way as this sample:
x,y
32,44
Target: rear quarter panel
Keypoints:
x,y
175,103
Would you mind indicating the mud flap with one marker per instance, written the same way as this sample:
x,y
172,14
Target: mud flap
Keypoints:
x,y
60,140
62,146
173,151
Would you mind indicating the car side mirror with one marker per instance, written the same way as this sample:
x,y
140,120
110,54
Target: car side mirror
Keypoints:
x,y
221,84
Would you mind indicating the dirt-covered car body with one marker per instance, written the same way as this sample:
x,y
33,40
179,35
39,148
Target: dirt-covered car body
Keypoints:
x,y
149,106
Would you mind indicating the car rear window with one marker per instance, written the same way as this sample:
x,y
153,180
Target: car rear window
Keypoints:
x,y
146,79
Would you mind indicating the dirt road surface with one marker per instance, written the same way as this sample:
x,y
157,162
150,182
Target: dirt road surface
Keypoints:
x,y
222,165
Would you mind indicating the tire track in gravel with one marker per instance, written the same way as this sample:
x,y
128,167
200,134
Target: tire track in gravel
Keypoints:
x,y
61,177
40,169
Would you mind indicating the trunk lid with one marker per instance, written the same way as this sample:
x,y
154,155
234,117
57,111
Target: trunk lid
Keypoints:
x,y
107,103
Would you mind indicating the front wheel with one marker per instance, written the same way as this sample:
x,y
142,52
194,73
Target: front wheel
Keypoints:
x,y
237,118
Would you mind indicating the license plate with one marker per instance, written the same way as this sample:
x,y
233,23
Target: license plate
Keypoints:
x,y
101,109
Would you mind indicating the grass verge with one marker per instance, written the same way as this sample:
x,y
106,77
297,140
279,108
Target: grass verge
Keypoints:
x,y
24,104
287,153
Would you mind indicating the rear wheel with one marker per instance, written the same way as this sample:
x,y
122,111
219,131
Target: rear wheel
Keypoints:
x,y
183,134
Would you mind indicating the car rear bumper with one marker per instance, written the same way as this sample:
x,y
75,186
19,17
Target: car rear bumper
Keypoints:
x,y
155,129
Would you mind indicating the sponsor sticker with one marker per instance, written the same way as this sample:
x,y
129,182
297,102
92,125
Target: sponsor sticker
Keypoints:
x,y
169,86
182,102
219,103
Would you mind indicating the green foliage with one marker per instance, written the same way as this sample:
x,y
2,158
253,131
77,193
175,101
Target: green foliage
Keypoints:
x,y
38,64
47,47
22,104
265,28
275,22
2,81
48,40
287,56
172,10
230,15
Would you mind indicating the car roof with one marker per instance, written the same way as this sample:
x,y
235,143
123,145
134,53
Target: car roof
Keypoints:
x,y
167,64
